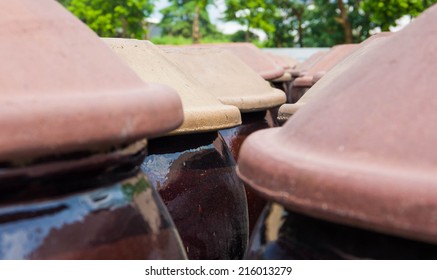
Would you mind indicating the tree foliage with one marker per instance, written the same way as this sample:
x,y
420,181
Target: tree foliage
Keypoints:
x,y
384,13
288,19
325,24
113,18
287,23
179,19
253,14
240,36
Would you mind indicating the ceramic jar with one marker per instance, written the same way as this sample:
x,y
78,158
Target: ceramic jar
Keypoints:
x,y
286,234
97,207
354,167
191,168
233,83
74,119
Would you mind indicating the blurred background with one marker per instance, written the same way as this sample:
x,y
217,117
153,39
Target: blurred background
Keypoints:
x,y
268,24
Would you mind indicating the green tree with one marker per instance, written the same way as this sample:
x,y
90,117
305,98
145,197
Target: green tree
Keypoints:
x,y
288,21
332,22
253,14
113,18
384,13
240,36
188,19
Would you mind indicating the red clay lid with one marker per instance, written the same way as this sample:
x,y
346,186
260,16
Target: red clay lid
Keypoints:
x,y
226,77
285,65
286,62
255,58
63,90
303,67
287,110
325,63
369,158
202,111
317,76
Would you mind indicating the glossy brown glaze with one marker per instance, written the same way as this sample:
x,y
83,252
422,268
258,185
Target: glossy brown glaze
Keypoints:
x,y
102,208
284,234
363,153
234,138
195,176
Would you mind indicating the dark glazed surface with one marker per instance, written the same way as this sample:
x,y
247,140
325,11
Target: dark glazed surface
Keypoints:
x,y
102,211
283,234
234,138
195,176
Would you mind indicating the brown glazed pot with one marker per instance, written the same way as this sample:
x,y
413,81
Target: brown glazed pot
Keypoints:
x,y
195,176
73,118
192,169
98,206
366,161
286,234
234,138
233,83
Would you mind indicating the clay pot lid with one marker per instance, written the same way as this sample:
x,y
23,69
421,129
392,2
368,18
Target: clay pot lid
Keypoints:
x,y
202,111
287,110
304,81
303,67
286,77
286,62
227,77
369,158
254,58
64,91
324,64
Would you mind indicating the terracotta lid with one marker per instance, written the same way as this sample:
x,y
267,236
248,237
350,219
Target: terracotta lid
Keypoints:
x,y
286,62
369,158
202,111
254,58
284,78
63,90
324,64
227,77
287,110
303,67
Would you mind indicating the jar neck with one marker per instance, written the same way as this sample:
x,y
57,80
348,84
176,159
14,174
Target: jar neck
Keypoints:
x,y
67,175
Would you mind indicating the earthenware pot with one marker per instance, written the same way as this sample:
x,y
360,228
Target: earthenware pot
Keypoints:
x,y
285,234
361,154
191,167
98,206
195,176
